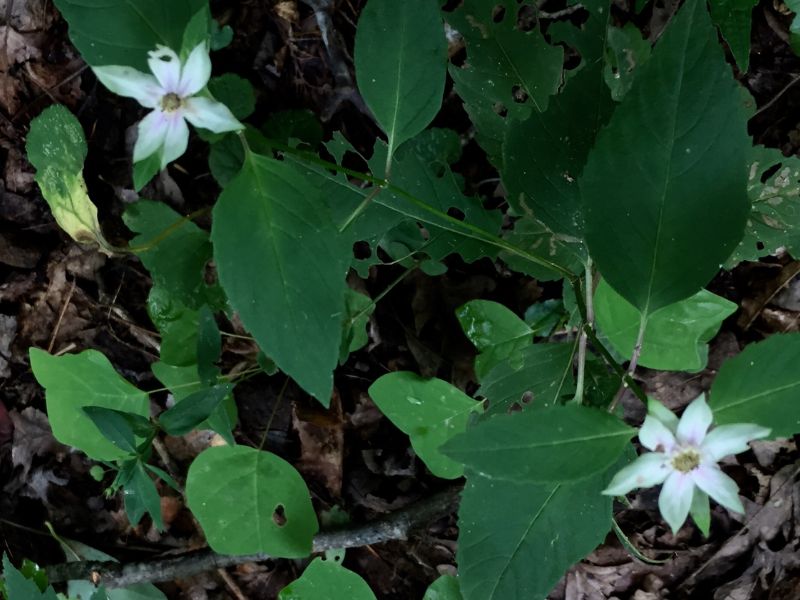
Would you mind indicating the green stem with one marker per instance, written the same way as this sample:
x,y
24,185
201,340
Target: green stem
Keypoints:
x,y
628,381
580,381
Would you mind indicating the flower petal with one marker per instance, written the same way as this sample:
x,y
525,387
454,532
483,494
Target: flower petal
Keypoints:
x,y
695,421
719,486
662,413
176,139
701,511
646,471
152,131
654,435
128,82
731,439
196,71
166,66
210,114
676,499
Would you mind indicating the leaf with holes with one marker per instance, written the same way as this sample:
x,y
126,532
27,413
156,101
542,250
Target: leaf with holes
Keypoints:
x,y
677,336
734,18
74,381
660,232
430,411
327,578
401,64
249,501
761,385
558,444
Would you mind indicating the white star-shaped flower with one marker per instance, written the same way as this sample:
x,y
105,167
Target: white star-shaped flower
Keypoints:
x,y
171,92
684,458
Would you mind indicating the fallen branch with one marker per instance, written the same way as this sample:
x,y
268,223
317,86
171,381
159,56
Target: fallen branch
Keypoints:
x,y
395,526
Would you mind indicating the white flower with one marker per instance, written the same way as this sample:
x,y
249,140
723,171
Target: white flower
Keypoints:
x,y
684,458
170,92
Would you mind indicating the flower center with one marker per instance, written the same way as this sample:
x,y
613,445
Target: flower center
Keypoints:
x,y
171,102
686,460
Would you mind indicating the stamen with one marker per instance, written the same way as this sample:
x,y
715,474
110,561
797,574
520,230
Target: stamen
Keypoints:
x,y
686,460
171,102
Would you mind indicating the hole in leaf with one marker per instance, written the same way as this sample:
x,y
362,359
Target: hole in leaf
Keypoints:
x,y
768,173
498,13
760,245
527,397
456,213
500,109
361,250
279,516
520,95
515,408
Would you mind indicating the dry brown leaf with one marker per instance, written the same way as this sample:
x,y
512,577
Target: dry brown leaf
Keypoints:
x,y
32,437
321,435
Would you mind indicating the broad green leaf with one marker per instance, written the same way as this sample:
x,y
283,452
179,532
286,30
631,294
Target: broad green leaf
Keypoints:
x,y
282,264
430,411
141,497
357,310
539,377
326,579
516,540
121,32
544,155
17,587
401,65
509,73
664,188
554,445
74,381
534,237
172,248
628,51
761,385
235,92
774,190
734,20
192,410
249,501
178,326
496,332
56,148
444,588
677,336
197,31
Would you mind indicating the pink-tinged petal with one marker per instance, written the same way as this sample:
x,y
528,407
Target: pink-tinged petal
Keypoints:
x,y
176,139
210,114
663,414
646,471
128,82
719,486
654,435
731,439
166,66
152,131
695,421
676,499
196,71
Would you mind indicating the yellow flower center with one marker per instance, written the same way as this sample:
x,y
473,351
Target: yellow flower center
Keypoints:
x,y
171,102
686,460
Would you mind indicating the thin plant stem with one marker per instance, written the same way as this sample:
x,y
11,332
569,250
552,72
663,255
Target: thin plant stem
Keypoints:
x,y
360,208
383,293
278,402
637,352
583,338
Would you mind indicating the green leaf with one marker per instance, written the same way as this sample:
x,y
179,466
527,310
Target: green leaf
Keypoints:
x,y
677,336
209,346
56,148
664,188
17,587
538,377
534,237
774,190
517,539
145,169
141,497
172,248
496,332
589,39
121,32
299,125
401,65
357,310
235,92
249,501
761,385
114,426
326,579
551,445
197,31
178,325
74,381
282,264
430,411
628,51
444,588
734,20
509,72
192,410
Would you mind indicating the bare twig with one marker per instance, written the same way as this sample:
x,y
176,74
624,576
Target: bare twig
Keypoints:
x,y
637,352
396,526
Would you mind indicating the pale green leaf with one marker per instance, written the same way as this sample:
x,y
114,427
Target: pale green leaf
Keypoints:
x,y
444,588
430,411
326,579
249,501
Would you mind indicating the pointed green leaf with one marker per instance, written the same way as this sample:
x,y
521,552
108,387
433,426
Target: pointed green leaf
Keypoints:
x,y
141,497
74,381
273,512
326,579
444,588
113,425
430,411
401,64
192,410
677,336
664,188
282,264
761,385
554,445
17,587
357,310
734,18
